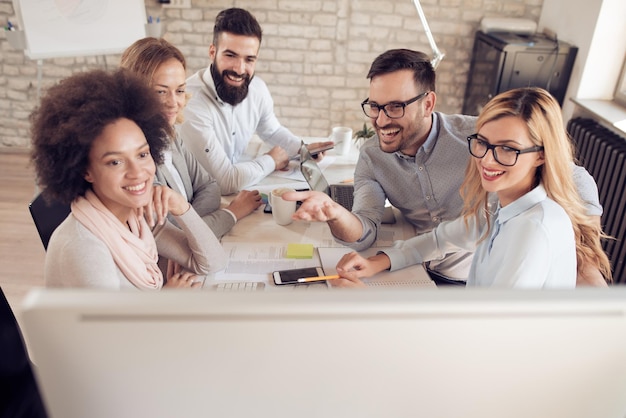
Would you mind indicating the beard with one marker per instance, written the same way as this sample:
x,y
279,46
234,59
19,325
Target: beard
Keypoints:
x,y
230,94
398,143
406,139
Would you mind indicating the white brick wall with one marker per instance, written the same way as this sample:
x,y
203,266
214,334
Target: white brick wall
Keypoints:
x,y
314,56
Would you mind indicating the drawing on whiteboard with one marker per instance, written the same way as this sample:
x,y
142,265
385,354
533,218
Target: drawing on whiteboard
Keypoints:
x,y
71,28
81,11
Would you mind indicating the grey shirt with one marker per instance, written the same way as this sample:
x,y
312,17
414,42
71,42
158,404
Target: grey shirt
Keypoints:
x,y
204,192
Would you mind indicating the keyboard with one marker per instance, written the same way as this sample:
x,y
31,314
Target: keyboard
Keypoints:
x,y
238,286
343,194
310,286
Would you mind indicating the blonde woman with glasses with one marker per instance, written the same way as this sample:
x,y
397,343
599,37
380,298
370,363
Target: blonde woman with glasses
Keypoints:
x,y
536,233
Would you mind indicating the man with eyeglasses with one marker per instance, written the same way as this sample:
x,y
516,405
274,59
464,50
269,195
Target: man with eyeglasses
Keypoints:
x,y
417,162
229,104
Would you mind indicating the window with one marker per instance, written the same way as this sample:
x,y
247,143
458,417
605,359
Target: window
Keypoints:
x,y
620,89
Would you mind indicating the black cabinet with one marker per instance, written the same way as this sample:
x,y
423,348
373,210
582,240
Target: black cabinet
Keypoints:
x,y
503,61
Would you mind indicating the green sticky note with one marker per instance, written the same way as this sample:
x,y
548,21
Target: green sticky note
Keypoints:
x,y
299,251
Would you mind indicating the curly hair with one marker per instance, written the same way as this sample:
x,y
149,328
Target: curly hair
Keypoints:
x,y
74,112
542,115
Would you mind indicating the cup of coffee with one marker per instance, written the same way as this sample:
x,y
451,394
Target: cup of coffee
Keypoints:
x,y
342,137
282,210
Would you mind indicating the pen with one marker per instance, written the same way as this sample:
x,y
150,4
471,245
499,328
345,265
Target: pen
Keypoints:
x,y
317,278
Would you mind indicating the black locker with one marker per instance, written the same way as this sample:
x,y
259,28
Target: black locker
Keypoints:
x,y
502,61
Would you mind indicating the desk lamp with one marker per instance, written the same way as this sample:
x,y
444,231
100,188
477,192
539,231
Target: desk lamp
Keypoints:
x,y
437,54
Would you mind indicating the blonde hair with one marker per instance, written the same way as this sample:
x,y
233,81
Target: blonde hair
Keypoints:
x,y
146,55
542,115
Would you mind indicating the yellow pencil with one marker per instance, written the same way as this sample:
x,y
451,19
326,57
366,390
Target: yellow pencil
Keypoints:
x,y
317,278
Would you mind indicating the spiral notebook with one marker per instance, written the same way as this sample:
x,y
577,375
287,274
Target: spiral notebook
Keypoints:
x,y
413,276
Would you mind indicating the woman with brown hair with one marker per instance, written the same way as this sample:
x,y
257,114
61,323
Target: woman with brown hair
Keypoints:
x,y
162,66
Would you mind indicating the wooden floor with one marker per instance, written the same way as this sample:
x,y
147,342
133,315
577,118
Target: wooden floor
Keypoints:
x,y
21,252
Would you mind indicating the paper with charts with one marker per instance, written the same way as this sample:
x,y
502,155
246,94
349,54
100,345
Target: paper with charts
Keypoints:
x,y
256,262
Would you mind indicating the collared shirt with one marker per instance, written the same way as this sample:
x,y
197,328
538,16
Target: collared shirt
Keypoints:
x,y
169,165
425,188
218,133
530,245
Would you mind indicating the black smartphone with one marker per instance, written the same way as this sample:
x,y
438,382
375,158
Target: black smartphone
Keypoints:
x,y
315,151
292,276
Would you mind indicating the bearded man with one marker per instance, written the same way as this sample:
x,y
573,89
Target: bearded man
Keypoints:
x,y
229,104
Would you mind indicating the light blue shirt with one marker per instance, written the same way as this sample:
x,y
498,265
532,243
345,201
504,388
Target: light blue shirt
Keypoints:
x,y
531,245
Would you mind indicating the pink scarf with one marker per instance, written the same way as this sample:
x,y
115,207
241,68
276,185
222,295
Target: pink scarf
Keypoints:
x,y
134,251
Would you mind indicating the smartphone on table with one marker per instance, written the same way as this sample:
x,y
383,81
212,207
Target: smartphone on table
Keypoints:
x,y
297,276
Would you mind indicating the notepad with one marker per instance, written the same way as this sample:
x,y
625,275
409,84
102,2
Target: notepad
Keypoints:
x,y
299,250
412,276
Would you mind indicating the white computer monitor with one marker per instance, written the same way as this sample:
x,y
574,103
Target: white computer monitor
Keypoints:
x,y
392,353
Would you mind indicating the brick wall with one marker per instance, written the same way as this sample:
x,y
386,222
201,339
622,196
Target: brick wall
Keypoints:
x,y
314,56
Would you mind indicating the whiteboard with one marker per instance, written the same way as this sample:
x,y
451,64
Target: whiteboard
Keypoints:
x,y
70,28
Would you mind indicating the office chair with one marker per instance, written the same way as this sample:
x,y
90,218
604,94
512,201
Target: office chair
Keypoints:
x,y
47,216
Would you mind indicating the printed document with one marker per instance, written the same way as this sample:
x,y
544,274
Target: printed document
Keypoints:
x,y
411,276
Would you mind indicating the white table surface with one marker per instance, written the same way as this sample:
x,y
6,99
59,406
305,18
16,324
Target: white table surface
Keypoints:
x,y
255,243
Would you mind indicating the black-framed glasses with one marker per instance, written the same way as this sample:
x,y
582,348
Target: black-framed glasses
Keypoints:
x,y
393,110
503,154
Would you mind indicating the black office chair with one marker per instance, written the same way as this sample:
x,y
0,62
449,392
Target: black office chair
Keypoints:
x,y
47,216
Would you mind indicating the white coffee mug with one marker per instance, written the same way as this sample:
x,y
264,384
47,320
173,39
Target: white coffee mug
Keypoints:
x,y
282,209
342,137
